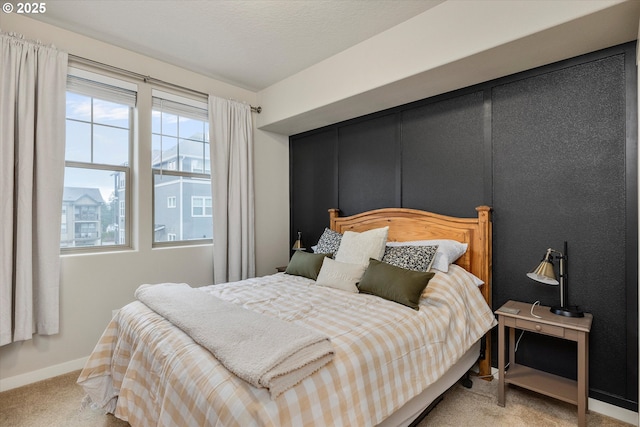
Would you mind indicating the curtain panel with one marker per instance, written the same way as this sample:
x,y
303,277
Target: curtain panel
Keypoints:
x,y
32,140
231,136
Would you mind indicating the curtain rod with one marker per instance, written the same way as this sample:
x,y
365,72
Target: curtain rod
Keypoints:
x,y
146,79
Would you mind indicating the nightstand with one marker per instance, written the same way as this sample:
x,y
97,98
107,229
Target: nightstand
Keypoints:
x,y
517,315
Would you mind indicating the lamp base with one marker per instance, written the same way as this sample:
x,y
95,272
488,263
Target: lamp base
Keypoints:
x,y
572,311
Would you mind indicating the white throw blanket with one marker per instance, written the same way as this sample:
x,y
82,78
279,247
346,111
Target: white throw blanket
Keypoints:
x,y
262,350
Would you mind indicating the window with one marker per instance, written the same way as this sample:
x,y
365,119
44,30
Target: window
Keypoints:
x,y
181,170
99,118
200,206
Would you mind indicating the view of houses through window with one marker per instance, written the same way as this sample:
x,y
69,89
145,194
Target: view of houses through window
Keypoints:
x,y
99,135
98,148
181,170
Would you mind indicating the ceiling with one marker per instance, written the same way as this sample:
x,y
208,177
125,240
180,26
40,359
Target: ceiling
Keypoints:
x,y
248,43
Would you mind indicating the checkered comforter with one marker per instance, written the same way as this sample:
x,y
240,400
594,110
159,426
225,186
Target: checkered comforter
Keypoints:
x,y
149,373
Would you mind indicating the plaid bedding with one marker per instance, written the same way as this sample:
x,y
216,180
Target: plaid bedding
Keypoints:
x,y
149,373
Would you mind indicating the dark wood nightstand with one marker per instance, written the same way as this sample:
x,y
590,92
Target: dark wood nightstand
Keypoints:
x,y
517,315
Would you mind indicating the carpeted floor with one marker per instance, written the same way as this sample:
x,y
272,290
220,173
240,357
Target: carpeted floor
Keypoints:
x,y
57,403
478,407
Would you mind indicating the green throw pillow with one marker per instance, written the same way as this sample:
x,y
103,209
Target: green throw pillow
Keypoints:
x,y
394,283
305,264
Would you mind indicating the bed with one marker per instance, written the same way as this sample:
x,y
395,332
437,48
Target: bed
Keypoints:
x,y
389,361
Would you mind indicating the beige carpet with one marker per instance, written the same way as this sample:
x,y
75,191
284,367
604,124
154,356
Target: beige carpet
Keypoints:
x,y
57,403
478,407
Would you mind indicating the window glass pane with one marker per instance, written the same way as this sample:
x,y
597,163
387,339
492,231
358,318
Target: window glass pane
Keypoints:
x,y
169,124
78,107
78,141
191,129
155,150
168,148
156,118
110,145
110,113
192,156
207,159
93,207
206,131
191,218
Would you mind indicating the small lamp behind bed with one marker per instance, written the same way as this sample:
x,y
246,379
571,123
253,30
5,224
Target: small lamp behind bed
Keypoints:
x,y
297,245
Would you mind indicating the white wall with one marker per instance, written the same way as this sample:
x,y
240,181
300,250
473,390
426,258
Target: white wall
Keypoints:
x,y
93,285
453,45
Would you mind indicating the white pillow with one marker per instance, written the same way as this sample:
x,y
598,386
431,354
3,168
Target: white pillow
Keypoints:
x,y
340,275
357,248
475,279
448,251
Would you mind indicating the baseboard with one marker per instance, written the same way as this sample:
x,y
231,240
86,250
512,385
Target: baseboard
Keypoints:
x,y
42,374
613,411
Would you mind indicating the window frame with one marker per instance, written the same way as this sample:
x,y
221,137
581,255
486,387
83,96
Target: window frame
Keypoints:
x,y
173,169
99,78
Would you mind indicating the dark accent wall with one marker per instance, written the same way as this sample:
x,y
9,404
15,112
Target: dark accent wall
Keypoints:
x,y
370,144
553,150
442,163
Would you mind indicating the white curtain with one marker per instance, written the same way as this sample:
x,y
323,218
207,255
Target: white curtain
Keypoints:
x,y
231,137
32,138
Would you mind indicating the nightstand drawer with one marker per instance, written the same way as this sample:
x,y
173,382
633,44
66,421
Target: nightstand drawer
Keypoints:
x,y
540,327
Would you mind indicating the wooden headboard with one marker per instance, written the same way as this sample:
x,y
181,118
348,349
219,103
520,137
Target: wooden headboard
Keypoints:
x,y
411,224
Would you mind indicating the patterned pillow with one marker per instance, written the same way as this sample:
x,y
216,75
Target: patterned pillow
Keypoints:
x,y
448,251
418,258
329,242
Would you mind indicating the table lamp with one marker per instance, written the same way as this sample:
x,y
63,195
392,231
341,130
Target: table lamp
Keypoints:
x,y
297,245
545,273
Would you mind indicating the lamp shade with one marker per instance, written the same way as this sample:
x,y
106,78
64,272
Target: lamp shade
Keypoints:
x,y
297,245
544,273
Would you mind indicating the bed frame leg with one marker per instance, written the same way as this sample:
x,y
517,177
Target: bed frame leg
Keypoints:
x,y
466,381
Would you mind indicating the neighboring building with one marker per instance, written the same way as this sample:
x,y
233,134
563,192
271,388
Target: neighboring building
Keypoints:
x,y
183,207
119,209
81,222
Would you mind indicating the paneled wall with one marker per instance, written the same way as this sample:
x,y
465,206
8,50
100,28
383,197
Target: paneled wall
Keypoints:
x,y
552,150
